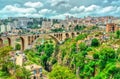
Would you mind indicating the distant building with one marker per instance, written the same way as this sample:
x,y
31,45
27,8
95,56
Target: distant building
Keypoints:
x,y
5,28
36,71
111,27
2,28
8,28
22,22
46,24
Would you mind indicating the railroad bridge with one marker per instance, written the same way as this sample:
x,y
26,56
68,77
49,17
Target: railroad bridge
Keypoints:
x,y
27,40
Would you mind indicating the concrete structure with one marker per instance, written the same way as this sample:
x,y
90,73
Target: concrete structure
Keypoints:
x,y
28,40
111,27
36,71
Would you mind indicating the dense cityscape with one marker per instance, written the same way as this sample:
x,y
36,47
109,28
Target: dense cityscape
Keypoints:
x,y
36,42
22,25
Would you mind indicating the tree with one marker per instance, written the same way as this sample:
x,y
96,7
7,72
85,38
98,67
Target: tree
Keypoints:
x,y
49,49
60,72
82,46
95,42
118,33
4,53
78,28
22,73
17,46
73,47
43,60
4,57
81,37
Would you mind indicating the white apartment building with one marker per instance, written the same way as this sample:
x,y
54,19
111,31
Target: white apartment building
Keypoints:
x,y
2,28
5,28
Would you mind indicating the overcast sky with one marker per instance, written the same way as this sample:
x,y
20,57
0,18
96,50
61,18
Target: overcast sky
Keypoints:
x,y
58,8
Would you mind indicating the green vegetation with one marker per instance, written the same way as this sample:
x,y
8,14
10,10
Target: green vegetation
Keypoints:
x,y
45,51
78,28
32,57
76,58
118,34
98,61
81,37
6,66
58,30
95,42
60,72
17,46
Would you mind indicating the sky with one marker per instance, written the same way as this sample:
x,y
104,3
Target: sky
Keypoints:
x,y
58,9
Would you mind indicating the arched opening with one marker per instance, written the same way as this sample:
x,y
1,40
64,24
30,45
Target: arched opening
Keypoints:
x,y
1,42
78,33
73,35
42,40
54,38
28,40
60,36
32,38
67,35
38,36
22,43
9,41
35,37
55,35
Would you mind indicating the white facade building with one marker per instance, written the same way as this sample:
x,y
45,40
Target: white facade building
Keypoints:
x,y
2,28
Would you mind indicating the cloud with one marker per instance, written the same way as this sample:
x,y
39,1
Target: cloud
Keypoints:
x,y
95,10
58,2
108,9
33,4
46,11
15,9
85,9
91,8
78,9
59,8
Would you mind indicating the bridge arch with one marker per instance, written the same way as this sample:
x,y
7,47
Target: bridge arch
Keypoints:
x,y
22,43
9,41
29,40
67,35
77,33
1,42
52,36
73,34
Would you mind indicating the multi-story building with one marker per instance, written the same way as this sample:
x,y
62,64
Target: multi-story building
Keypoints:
x,y
111,27
8,28
46,26
2,28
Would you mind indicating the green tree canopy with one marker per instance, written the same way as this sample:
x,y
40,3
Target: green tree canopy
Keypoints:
x,y
17,46
95,42
60,72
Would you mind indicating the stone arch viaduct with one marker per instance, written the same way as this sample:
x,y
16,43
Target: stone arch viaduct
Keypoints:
x,y
27,40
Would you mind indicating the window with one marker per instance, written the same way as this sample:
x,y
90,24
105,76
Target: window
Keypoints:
x,y
34,71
